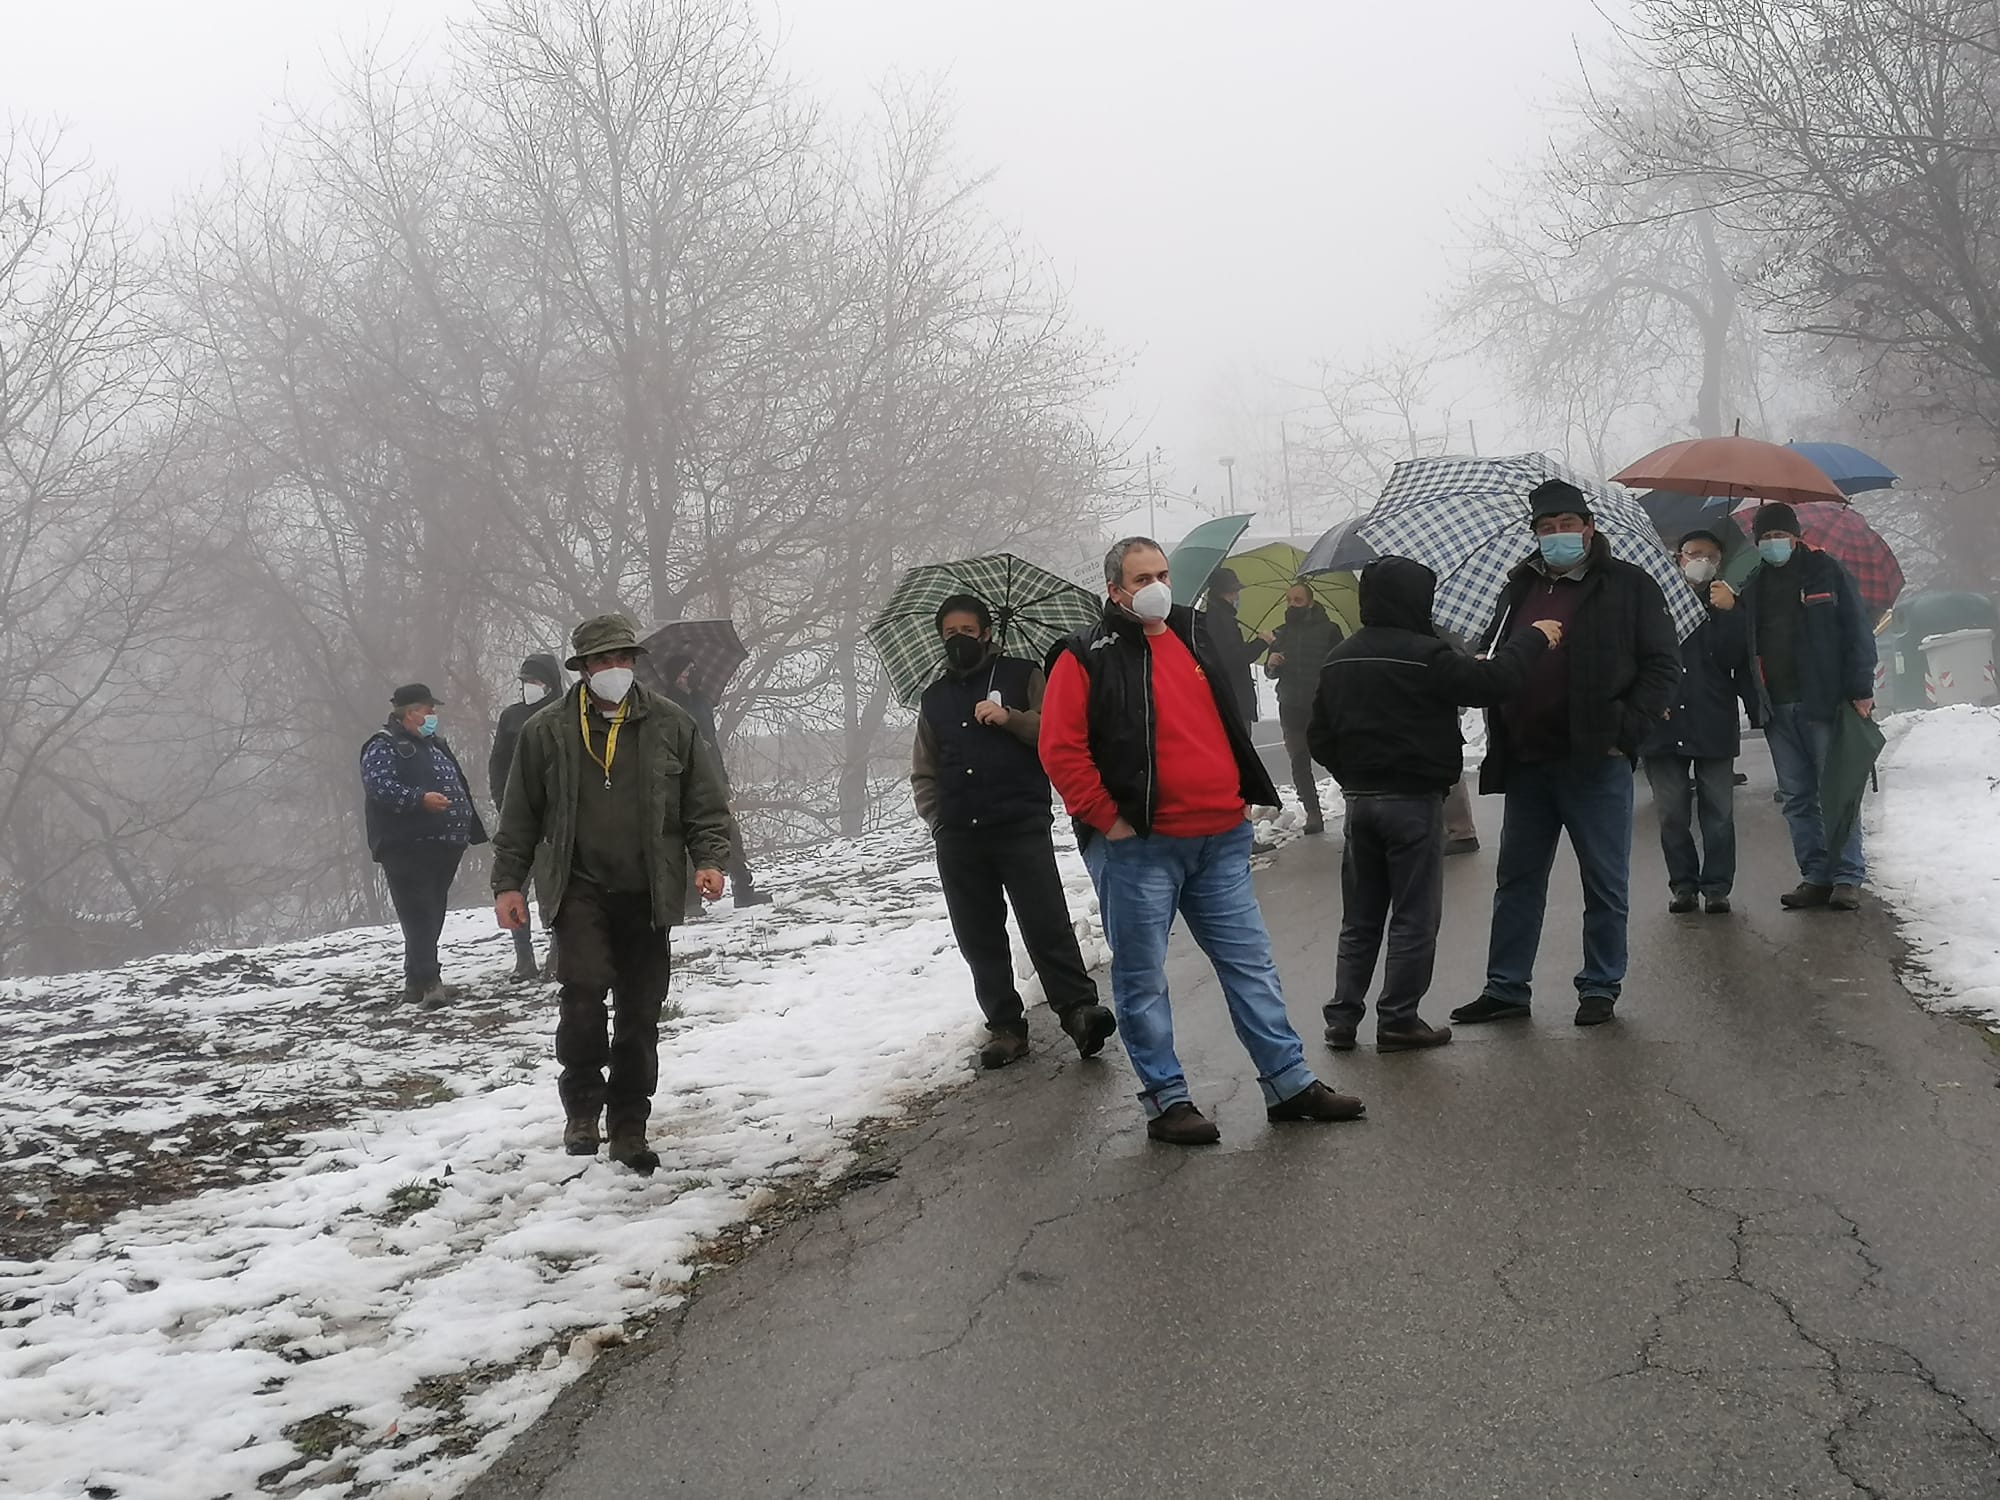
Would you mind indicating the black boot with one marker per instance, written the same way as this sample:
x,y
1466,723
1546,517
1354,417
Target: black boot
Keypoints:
x,y
1003,1047
1805,896
629,1148
1090,1027
1488,1008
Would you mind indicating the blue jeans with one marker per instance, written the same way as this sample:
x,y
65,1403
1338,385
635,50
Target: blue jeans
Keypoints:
x,y
1141,884
1592,803
1676,795
1798,750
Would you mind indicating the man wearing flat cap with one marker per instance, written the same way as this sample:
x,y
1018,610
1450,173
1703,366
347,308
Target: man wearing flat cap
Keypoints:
x,y
1562,750
613,793
420,820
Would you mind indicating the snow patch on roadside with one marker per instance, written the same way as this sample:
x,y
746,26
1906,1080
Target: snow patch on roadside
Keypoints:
x,y
1932,838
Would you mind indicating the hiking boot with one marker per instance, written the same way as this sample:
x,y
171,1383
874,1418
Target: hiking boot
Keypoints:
x,y
1844,898
1314,824
413,992
437,995
1461,846
1182,1125
1090,1027
1805,895
1594,1010
1410,1036
580,1135
1718,906
1340,1038
1489,1008
748,897
1682,903
1316,1102
629,1148
1004,1047
526,970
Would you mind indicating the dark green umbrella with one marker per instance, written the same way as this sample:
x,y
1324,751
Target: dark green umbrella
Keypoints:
x,y
1850,761
1199,553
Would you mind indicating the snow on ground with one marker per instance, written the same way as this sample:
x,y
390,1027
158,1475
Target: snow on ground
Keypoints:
x,y
358,1263
1932,837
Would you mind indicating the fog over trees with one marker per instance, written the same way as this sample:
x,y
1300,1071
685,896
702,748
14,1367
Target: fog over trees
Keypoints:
x,y
609,311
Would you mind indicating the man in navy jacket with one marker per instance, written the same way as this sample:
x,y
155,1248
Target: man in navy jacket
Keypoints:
x,y
1815,652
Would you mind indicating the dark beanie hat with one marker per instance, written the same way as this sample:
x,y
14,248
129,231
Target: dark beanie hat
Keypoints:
x,y
1700,534
1557,497
1224,581
1774,516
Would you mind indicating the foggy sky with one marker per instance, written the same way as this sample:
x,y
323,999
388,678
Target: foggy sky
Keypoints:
x,y
1229,192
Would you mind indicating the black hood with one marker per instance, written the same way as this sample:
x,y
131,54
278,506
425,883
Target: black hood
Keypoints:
x,y
1398,592
545,670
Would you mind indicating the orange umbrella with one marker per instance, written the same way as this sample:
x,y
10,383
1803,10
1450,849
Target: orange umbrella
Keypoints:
x,y
1733,467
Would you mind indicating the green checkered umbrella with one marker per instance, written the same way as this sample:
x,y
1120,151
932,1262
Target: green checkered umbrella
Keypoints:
x,y
1032,610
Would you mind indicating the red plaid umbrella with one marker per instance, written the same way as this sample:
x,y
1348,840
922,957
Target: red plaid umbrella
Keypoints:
x,y
1842,533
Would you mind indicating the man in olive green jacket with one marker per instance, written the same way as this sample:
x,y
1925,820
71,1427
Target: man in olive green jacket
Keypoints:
x,y
613,793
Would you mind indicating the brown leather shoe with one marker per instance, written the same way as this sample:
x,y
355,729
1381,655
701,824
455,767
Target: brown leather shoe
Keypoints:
x,y
1316,1102
629,1148
1003,1047
580,1135
1183,1125
1410,1036
1805,896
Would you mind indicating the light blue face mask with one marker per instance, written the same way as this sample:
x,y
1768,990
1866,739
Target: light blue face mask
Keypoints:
x,y
1775,550
429,726
1561,550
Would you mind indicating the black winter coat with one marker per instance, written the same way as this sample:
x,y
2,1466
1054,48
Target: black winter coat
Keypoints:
x,y
1703,723
1623,655
1237,655
1836,640
507,733
1119,665
1385,718
1304,645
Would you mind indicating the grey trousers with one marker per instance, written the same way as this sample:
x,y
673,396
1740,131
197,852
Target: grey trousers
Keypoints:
x,y
1458,822
1391,881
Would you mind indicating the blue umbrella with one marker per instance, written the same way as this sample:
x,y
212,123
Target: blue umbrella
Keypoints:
x,y
1854,471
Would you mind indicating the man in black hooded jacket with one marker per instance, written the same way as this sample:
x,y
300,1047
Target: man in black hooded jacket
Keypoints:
x,y
541,684
1385,723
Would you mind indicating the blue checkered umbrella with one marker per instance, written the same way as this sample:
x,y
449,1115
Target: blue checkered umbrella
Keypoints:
x,y
1466,519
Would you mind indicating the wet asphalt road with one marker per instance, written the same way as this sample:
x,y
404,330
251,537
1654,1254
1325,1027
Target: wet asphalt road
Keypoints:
x,y
1739,1243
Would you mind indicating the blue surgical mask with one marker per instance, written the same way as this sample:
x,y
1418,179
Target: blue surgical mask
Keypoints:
x,y
1775,550
1561,550
429,726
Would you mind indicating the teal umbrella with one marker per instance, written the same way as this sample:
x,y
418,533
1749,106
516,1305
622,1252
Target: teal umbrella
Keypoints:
x,y
1199,553
1850,763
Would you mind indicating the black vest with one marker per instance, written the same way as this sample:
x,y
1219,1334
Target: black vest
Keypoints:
x,y
987,777
417,769
1119,665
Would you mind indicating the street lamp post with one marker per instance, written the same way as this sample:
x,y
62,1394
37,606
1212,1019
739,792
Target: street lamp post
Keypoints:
x,y
1229,468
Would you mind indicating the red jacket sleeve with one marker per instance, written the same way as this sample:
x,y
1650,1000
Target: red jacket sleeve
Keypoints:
x,y
1065,746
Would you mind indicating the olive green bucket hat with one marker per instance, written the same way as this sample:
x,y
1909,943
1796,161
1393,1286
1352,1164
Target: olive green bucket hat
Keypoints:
x,y
614,632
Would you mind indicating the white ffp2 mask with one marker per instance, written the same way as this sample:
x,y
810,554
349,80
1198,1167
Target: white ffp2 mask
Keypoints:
x,y
533,692
611,683
1152,602
1698,570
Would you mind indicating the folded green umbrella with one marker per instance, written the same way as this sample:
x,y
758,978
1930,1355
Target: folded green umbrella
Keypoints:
x,y
1850,760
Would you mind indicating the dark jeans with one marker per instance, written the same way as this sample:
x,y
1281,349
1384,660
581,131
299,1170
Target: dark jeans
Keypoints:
x,y
606,943
1799,744
420,877
1391,878
1591,801
1305,775
982,870
1679,785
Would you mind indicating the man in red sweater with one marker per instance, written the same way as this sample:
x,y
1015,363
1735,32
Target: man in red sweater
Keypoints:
x,y
1143,740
